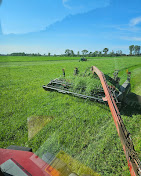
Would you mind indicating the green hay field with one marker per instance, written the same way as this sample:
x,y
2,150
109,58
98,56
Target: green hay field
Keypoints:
x,y
83,129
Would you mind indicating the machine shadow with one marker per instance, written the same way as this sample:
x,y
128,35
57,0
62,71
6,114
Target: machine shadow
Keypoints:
x,y
129,110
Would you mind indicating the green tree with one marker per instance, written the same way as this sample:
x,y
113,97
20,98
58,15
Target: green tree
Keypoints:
x,y
100,54
48,54
137,49
112,53
84,52
71,52
105,50
131,48
90,54
78,53
67,52
120,52
96,53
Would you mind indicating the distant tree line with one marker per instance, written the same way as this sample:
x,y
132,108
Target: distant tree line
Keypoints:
x,y
134,50
86,53
25,54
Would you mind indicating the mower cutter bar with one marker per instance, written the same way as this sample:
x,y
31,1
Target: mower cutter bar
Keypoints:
x,y
99,99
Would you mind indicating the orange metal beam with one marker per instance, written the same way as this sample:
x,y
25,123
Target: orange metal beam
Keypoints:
x,y
134,163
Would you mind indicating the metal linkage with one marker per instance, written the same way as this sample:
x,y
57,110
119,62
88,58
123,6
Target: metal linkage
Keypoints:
x,y
134,163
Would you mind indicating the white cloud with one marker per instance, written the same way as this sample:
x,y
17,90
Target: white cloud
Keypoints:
x,y
81,6
132,38
66,5
135,21
44,13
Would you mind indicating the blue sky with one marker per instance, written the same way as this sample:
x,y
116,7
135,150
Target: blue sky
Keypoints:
x,y
55,25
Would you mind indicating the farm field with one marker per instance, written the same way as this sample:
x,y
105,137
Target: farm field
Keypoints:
x,y
83,129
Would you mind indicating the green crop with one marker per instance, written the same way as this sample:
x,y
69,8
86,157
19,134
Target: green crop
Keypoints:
x,y
83,129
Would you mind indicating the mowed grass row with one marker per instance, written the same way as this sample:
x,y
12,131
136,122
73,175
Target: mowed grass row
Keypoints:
x,y
35,58
83,129
47,58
